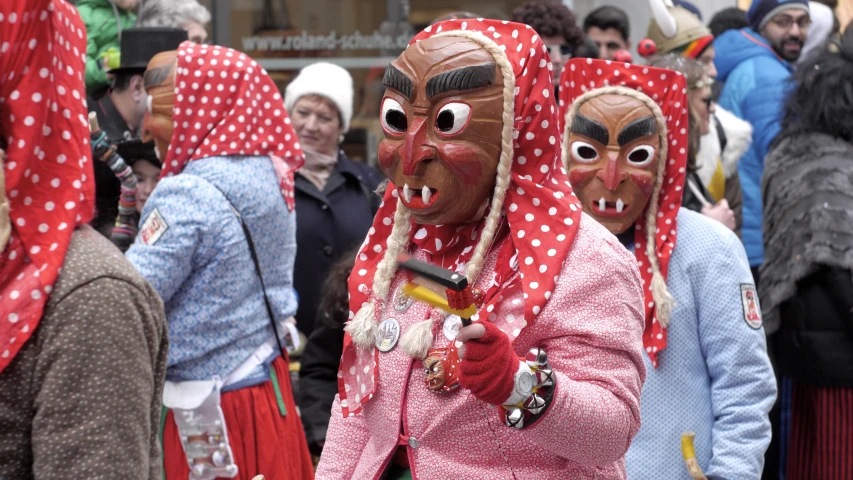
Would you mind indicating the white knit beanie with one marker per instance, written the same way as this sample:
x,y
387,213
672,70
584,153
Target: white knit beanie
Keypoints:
x,y
327,80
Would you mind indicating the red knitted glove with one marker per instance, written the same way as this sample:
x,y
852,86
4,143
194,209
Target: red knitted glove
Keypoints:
x,y
488,369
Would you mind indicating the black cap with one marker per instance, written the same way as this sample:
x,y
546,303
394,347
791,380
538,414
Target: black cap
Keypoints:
x,y
134,150
139,45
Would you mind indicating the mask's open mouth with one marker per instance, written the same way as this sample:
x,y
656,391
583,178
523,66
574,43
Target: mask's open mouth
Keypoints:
x,y
603,207
418,198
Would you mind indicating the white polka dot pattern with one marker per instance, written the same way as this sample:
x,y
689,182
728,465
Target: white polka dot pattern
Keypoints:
x,y
226,104
667,89
591,329
43,120
538,184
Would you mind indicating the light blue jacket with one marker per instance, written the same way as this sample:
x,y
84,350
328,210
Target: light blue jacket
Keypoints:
x,y
202,268
755,90
714,378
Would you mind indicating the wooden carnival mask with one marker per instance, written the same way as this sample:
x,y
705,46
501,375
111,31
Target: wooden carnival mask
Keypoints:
x,y
158,124
442,117
614,148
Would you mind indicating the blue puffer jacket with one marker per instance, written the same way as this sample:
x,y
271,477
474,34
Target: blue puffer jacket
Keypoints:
x,y
755,90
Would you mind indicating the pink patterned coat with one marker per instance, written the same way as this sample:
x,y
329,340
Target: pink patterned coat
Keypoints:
x,y
591,329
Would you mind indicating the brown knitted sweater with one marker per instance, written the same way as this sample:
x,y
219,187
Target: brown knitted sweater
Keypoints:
x,y
82,398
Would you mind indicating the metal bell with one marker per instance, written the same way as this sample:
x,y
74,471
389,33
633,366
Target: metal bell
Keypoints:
x,y
198,470
544,378
219,458
534,404
536,358
514,418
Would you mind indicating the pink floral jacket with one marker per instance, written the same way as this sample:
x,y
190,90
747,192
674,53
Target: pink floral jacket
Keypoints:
x,y
591,329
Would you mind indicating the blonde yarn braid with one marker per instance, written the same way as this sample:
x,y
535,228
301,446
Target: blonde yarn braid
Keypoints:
x,y
363,327
662,298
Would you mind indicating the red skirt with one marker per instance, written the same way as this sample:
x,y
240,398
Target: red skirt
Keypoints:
x,y
264,441
821,444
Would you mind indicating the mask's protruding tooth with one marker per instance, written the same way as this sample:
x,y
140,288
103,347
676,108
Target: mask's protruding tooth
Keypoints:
x,y
620,205
426,193
602,204
407,194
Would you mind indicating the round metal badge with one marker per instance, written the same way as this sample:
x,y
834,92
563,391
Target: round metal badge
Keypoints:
x,y
388,336
402,302
452,325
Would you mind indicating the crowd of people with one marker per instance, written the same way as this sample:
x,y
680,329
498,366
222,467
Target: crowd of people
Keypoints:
x,y
577,258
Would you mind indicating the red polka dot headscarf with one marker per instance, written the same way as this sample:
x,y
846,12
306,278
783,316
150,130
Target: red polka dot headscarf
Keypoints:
x,y
532,197
48,164
226,104
665,93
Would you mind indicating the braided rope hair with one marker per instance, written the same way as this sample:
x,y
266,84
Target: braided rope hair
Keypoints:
x,y
663,299
418,338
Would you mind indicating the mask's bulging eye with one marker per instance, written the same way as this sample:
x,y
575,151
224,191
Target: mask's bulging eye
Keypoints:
x,y
452,118
393,116
641,156
150,102
584,152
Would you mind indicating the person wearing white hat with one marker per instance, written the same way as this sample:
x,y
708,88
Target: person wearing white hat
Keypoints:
x,y
334,195
335,205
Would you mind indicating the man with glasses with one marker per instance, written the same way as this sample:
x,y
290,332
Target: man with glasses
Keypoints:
x,y
556,26
755,64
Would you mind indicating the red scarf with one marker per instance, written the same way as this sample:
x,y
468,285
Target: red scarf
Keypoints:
x,y
226,104
48,164
669,91
540,209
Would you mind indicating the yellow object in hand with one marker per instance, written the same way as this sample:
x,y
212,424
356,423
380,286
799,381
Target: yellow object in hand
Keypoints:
x,y
688,451
111,58
430,297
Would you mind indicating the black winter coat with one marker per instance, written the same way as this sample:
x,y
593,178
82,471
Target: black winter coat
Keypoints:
x,y
318,381
328,225
814,343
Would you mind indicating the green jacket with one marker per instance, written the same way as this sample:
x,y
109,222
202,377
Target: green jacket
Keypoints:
x,y
101,18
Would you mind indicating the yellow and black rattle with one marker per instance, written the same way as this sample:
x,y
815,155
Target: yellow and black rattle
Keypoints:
x,y
439,287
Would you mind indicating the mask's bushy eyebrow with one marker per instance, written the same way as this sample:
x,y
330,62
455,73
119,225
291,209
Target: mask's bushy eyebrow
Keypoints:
x,y
465,78
590,128
397,80
157,76
639,128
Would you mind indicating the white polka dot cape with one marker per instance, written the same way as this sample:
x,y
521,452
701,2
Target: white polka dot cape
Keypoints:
x,y
226,104
667,90
48,165
539,206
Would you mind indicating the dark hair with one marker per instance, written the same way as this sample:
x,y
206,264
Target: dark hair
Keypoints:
x,y
588,49
333,309
121,82
609,17
134,150
727,19
822,95
550,18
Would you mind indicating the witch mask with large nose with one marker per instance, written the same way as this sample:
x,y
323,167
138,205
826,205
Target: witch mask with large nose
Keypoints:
x,y
441,115
613,159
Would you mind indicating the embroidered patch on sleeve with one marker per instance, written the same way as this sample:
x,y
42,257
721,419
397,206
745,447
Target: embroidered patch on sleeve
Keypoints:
x,y
153,228
751,307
